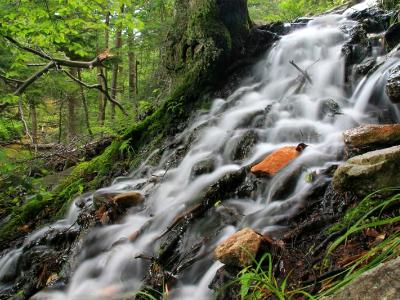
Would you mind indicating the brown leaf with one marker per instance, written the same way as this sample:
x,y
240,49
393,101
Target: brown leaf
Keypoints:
x,y
371,232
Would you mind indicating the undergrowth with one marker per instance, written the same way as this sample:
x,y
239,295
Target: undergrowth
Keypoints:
x,y
259,282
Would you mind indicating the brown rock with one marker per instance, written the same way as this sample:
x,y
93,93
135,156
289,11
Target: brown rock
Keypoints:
x,y
52,279
128,199
371,134
278,159
240,248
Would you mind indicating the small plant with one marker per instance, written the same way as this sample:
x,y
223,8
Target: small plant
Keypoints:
x,y
259,283
387,249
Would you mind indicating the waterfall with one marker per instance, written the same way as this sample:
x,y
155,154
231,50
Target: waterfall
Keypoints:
x,y
279,106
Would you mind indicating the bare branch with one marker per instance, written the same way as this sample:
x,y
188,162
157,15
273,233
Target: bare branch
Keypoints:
x,y
9,81
34,77
36,65
21,115
63,62
304,73
98,87
105,91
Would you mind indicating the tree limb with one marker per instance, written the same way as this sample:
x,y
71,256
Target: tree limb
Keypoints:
x,y
34,77
63,62
8,81
99,88
105,91
304,73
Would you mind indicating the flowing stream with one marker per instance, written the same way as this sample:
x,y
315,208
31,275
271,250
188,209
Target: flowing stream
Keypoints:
x,y
278,107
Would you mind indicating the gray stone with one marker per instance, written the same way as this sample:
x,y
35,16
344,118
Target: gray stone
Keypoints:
x,y
381,282
392,87
203,167
243,145
369,172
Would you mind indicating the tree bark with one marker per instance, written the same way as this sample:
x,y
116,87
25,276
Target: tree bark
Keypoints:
x,y
102,97
33,113
85,106
206,36
114,78
71,114
132,71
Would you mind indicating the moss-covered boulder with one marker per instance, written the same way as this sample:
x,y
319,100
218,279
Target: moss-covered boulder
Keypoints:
x,y
369,172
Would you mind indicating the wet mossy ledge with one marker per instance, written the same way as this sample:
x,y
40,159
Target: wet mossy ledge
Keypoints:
x,y
201,44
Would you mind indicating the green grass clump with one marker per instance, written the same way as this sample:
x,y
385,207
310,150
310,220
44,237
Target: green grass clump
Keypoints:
x,y
388,249
259,282
363,207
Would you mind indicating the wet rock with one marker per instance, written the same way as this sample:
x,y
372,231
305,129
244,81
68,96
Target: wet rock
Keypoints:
x,y
381,282
369,172
373,19
392,87
365,66
36,265
128,199
259,41
223,276
109,209
243,146
300,22
240,248
203,167
248,188
392,36
356,49
276,27
277,160
328,107
371,137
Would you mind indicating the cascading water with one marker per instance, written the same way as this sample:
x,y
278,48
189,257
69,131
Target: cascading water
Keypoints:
x,y
280,107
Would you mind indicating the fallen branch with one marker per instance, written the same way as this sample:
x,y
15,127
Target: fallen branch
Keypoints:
x,y
304,73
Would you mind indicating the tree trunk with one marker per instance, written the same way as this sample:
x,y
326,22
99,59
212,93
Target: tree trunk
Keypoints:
x,y
71,111
102,97
132,71
206,36
114,78
85,106
33,113
60,119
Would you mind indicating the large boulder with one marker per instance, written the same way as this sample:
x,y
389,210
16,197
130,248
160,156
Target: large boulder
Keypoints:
x,y
392,87
277,160
369,172
240,249
381,282
372,136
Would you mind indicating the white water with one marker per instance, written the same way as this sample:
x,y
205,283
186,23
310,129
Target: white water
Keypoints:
x,y
106,269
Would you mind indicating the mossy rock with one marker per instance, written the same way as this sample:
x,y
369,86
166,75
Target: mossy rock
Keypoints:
x,y
367,173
